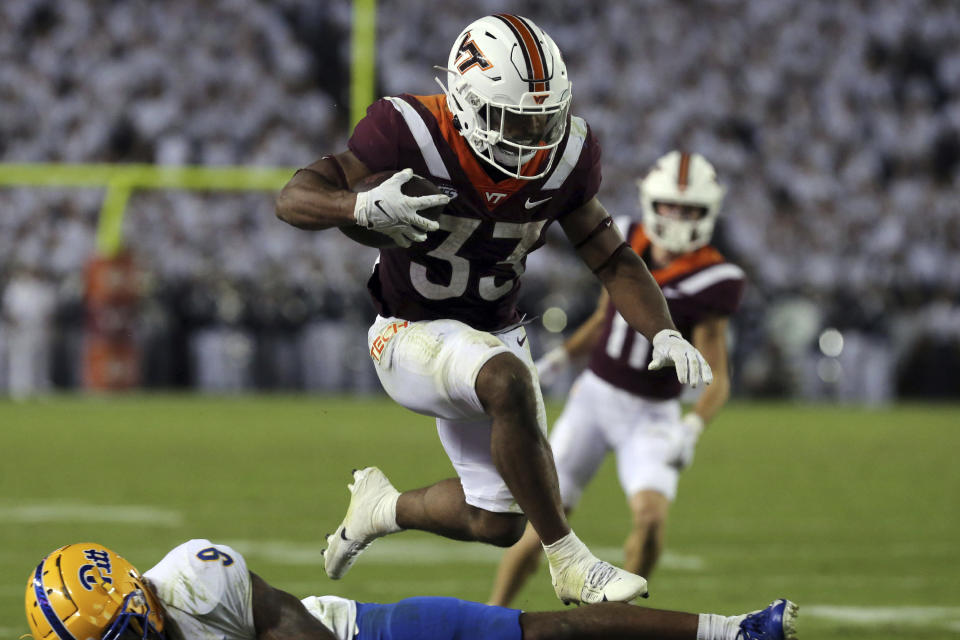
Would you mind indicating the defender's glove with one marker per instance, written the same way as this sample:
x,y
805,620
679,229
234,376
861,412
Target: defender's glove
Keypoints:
x,y
691,426
670,347
386,209
551,365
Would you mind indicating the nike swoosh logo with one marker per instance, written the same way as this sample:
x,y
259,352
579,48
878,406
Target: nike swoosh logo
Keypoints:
x,y
520,341
530,204
376,203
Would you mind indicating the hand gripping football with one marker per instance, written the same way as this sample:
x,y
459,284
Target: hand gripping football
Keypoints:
x,y
415,186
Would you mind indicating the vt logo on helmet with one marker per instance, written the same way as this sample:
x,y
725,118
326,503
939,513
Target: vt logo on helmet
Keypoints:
x,y
85,591
509,93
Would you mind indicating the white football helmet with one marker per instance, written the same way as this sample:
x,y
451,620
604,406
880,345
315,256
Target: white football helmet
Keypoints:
x,y
685,179
509,93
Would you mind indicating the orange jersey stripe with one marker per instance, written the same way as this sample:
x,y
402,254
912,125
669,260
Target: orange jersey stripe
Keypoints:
x,y
437,105
687,263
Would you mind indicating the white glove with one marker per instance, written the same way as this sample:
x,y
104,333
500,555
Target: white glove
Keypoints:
x,y
551,365
670,347
386,209
691,426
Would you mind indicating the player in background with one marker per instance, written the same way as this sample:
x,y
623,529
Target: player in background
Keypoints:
x,y
85,591
618,404
449,341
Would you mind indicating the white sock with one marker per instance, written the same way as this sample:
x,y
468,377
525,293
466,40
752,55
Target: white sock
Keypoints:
x,y
566,550
714,627
385,514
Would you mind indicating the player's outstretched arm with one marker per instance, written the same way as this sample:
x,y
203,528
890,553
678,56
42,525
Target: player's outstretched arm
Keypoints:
x,y
710,338
586,336
278,615
634,292
551,364
318,196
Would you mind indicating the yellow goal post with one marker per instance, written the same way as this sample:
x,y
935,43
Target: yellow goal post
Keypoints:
x,y
121,180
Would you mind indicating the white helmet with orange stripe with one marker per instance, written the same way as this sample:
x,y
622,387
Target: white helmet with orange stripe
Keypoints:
x,y
688,181
509,93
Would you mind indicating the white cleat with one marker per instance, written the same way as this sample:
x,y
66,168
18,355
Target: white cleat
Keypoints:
x,y
594,580
371,514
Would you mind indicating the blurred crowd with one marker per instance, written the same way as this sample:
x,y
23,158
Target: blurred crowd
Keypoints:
x,y
836,126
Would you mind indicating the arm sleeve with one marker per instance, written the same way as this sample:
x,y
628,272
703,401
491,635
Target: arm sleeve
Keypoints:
x,y
724,297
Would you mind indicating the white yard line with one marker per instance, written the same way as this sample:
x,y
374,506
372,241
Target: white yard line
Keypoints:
x,y
946,617
82,512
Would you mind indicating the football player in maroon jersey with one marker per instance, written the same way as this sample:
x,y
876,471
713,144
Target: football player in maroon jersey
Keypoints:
x,y
448,342
617,404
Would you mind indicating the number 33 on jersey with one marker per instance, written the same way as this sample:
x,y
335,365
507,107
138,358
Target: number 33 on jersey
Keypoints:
x,y
469,269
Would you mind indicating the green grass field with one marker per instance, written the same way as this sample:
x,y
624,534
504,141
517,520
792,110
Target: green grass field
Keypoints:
x,y
854,514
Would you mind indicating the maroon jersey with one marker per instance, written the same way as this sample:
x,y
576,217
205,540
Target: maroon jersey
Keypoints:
x,y
697,286
469,270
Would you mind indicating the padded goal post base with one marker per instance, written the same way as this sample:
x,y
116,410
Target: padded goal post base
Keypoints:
x,y
111,358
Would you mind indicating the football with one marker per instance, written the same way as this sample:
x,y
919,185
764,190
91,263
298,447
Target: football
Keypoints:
x,y
415,186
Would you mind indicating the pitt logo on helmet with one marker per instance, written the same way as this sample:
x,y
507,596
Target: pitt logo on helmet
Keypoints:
x,y
101,561
87,592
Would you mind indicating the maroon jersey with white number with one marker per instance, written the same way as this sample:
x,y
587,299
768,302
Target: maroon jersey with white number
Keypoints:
x,y
697,286
469,269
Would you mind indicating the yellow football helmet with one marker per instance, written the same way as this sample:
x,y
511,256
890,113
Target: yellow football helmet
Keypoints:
x,y
85,591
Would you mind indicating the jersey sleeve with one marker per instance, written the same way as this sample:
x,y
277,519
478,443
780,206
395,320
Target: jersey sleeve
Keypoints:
x,y
584,182
380,139
339,615
723,296
208,584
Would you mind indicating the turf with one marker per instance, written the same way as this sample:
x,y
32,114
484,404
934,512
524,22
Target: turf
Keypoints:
x,y
852,513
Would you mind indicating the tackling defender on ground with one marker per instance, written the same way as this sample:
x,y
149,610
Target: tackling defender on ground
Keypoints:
x,y
85,591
